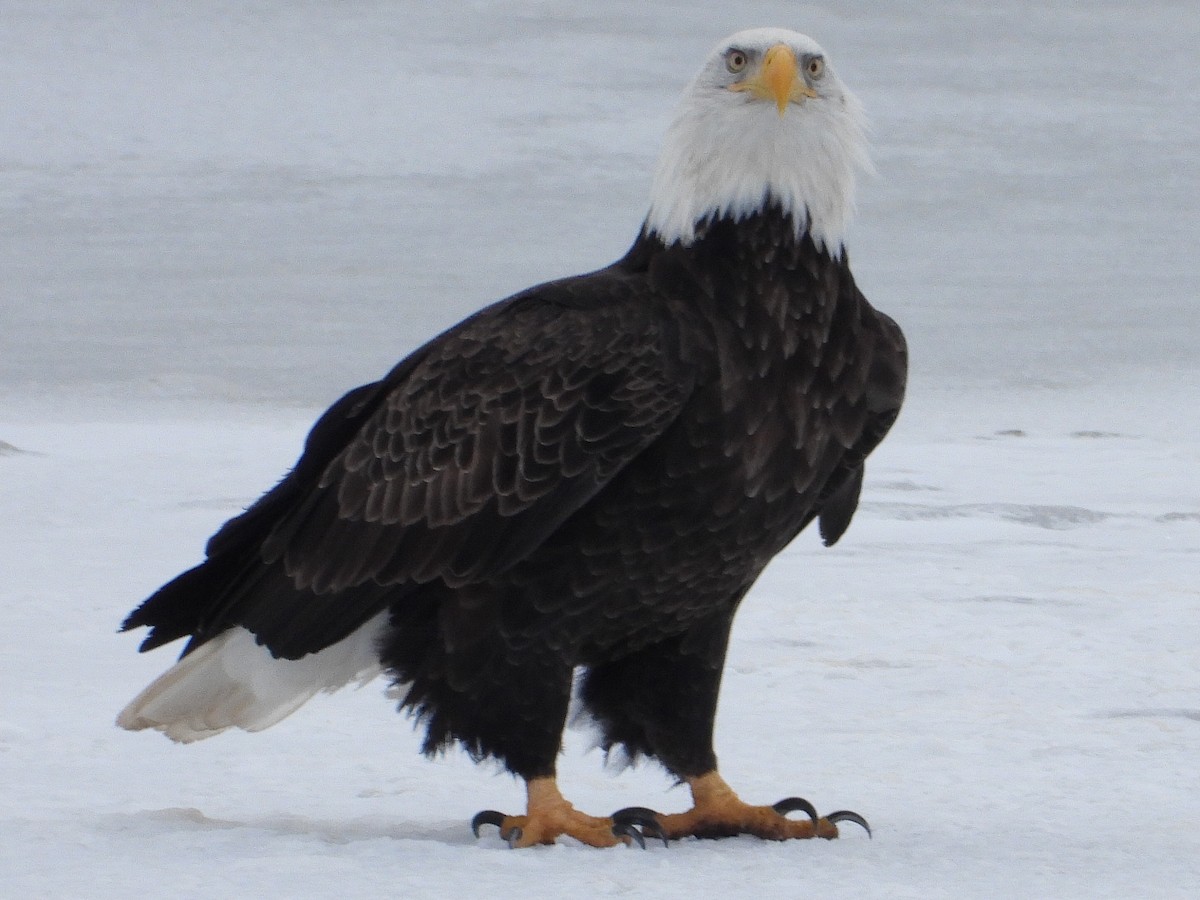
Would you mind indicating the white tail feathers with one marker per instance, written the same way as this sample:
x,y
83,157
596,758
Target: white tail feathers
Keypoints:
x,y
234,681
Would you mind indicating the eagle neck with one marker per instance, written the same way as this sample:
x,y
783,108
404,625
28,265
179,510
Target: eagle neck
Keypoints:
x,y
780,287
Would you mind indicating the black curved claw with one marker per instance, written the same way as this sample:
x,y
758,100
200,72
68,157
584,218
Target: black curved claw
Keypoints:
x,y
624,829
486,817
642,819
792,804
845,815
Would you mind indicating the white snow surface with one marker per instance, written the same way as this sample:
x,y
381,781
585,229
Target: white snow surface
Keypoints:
x,y
216,217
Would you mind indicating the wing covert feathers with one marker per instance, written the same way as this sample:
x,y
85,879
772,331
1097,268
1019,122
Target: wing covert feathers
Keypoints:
x,y
456,466
486,446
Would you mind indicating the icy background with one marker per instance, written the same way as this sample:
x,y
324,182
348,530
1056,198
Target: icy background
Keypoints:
x,y
217,217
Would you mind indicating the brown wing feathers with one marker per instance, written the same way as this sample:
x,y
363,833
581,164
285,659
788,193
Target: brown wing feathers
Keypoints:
x,y
466,462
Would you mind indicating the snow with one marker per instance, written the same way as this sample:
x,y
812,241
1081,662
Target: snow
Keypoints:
x,y
216,217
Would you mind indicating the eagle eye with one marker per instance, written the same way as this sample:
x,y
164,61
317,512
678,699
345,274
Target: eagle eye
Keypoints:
x,y
815,67
735,60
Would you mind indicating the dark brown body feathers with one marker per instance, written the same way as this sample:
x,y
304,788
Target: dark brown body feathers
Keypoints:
x,y
591,473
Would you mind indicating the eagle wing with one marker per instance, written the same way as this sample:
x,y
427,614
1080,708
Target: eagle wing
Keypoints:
x,y
455,466
885,368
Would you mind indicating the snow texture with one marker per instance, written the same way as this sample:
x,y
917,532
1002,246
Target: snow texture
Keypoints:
x,y
216,217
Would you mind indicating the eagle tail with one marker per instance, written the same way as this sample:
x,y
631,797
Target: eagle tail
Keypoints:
x,y
232,680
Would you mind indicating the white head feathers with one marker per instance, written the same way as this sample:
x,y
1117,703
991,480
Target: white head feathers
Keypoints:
x,y
731,147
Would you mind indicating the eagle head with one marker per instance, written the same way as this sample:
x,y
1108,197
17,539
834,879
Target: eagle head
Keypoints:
x,y
766,120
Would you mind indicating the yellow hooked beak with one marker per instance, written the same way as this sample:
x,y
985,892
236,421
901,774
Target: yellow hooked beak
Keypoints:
x,y
776,79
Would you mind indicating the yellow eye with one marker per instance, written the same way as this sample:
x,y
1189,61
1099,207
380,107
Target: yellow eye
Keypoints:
x,y
735,60
815,68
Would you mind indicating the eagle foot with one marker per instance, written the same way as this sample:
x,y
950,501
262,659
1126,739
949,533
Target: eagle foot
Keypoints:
x,y
549,816
718,812
525,831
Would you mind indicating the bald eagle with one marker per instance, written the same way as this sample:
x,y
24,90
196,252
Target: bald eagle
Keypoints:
x,y
576,486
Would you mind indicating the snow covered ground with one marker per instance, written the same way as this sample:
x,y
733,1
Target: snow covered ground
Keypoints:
x,y
216,217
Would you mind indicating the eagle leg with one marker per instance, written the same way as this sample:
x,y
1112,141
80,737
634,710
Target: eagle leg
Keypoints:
x,y
548,816
718,812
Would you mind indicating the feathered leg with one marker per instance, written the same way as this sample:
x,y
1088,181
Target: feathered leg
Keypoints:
x,y
527,749
661,702
510,707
